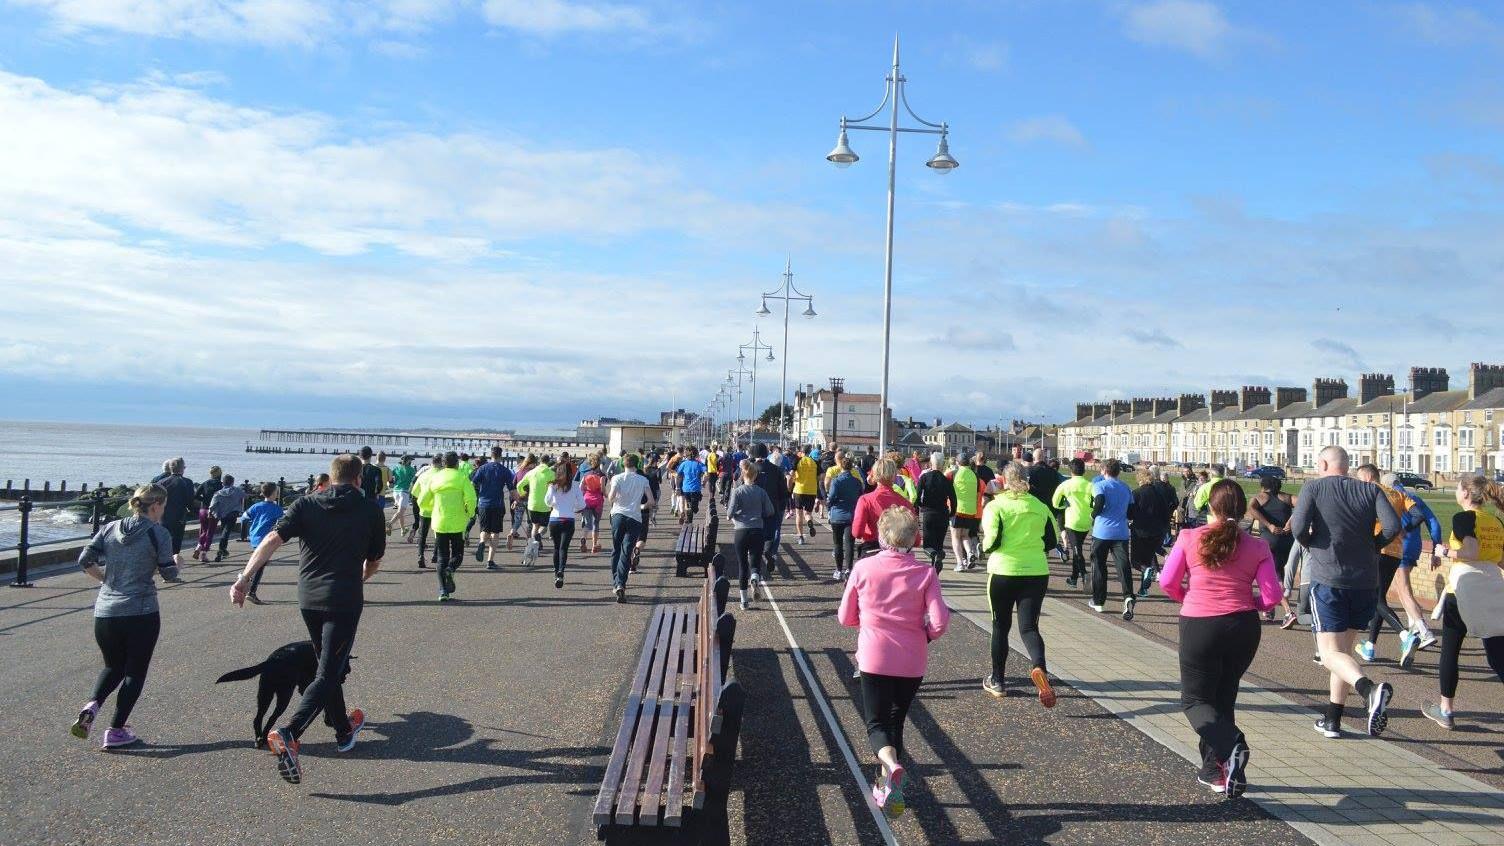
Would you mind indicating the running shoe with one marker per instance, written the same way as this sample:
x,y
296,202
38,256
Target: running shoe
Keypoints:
x,y
480,552
1427,640
1287,622
285,748
836,575
1216,782
744,604
1330,729
1100,609
85,721
1378,708
1408,643
449,581
896,804
993,686
812,528
1236,771
116,738
357,722
755,577
1128,603
1365,650
1070,582
254,599
801,540
621,595
1041,681
558,581
1146,581
444,596
421,564
1435,714
880,793
492,565
1316,659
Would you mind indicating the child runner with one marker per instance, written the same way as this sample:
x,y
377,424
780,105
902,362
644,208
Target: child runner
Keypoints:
x,y
259,520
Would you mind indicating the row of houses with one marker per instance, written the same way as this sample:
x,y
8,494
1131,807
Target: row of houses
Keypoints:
x,y
1429,429
822,417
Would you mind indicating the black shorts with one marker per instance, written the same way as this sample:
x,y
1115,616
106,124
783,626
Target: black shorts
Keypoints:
x,y
804,502
538,518
970,524
492,519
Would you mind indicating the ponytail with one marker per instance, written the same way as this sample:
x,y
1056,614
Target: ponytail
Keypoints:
x,y
1480,491
1219,540
146,496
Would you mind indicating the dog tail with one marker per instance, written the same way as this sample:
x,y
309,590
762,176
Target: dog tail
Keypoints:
x,y
242,674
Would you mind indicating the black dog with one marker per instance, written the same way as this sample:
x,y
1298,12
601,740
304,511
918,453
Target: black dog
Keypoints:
x,y
288,667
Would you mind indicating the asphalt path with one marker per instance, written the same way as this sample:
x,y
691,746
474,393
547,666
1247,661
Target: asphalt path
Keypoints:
x,y
490,719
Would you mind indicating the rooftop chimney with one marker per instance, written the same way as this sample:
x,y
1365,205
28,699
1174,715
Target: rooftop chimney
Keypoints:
x,y
1371,386
1083,411
1252,396
1121,407
1428,380
1482,378
1288,396
1189,403
1162,405
1100,409
1141,405
1223,399
1327,390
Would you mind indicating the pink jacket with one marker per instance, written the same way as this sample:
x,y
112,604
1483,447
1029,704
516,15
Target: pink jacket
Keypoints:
x,y
895,602
871,506
1225,590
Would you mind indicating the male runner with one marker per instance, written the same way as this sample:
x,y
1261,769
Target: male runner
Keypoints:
x,y
493,481
1111,509
805,481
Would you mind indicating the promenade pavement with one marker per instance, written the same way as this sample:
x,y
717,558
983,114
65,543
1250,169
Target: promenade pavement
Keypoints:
x,y
490,720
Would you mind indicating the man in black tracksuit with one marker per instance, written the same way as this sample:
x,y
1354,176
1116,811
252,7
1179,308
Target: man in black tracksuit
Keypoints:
x,y
771,478
937,505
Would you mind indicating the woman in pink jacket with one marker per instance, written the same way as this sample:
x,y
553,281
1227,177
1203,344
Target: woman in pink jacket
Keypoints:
x,y
895,602
1211,572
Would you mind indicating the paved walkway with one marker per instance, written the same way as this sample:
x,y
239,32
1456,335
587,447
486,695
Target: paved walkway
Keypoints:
x,y
1353,791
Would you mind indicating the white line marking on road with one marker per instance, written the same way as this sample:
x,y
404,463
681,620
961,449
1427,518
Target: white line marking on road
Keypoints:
x,y
830,721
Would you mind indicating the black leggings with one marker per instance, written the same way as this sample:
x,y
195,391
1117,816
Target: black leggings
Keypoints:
x,y
844,546
333,635
562,532
450,547
936,531
1388,566
748,544
1453,631
1076,541
885,707
1215,652
1118,549
126,644
1004,592
228,524
421,529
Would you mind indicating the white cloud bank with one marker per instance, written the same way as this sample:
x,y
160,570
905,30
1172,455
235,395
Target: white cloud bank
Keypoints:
x,y
1195,26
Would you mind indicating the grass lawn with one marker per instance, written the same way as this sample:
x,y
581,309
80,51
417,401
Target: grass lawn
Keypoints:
x,y
1442,501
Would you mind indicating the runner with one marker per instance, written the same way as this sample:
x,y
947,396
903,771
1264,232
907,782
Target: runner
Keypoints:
x,y
593,489
370,477
126,617
805,482
967,519
631,496
493,485
1418,636
519,509
386,480
1473,603
343,537
1147,531
1073,499
936,500
914,466
180,492
225,506
449,498
1111,508
534,486
772,479
565,501
258,521
1043,480
402,494
1273,509
1017,534
895,603
691,473
1211,572
671,474
423,522
1204,491
208,524
842,494
1334,519
871,506
750,510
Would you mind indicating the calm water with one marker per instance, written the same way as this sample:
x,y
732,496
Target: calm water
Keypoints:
x,y
94,453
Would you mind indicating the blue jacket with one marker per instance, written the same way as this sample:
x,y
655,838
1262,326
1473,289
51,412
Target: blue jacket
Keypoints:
x,y
1112,504
840,500
1410,552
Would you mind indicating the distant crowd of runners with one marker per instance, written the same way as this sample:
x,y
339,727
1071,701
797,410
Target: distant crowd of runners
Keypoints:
x,y
1336,549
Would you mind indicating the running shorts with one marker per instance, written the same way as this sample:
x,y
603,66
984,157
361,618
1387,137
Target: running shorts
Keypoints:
x,y
404,500
493,519
970,524
804,502
1341,609
538,518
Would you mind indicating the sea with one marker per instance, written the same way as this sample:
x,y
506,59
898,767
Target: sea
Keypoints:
x,y
95,453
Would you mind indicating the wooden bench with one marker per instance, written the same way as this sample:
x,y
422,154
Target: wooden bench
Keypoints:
x,y
695,545
677,740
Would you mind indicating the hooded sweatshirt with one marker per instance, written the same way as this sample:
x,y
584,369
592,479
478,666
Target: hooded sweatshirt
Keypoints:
x,y
340,530
449,498
130,551
227,501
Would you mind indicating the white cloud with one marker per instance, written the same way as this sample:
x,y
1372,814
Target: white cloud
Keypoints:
x,y
156,160
308,22
981,55
1447,25
1195,26
1054,129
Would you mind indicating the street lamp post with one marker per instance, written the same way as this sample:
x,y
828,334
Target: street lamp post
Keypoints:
x,y
942,162
788,293
837,386
738,373
755,345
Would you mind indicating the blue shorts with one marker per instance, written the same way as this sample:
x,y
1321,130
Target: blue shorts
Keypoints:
x,y
1341,609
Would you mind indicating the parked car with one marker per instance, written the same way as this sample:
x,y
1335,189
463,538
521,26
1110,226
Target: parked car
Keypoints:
x,y
1265,472
1414,481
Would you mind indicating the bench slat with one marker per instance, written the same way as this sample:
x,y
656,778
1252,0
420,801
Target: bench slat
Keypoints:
x,y
673,806
626,805
668,700
605,801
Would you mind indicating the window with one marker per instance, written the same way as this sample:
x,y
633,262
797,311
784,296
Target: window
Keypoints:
x,y
1383,438
1442,462
851,424
1441,440
1464,464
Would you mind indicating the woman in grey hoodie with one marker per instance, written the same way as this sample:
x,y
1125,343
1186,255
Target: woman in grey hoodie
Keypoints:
x,y
749,509
125,557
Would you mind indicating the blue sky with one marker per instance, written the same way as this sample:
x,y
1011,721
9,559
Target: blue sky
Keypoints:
x,y
452,212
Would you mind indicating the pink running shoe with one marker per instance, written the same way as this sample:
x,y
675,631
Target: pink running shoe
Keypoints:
x,y
116,738
85,721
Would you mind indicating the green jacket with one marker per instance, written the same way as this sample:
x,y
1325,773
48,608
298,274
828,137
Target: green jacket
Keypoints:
x,y
967,494
1203,495
402,477
449,499
1021,519
1073,496
534,486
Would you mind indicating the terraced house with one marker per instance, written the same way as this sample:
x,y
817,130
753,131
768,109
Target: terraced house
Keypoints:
x,y
1430,429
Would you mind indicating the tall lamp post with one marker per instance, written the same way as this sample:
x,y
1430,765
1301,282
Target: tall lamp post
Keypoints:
x,y
837,387
734,380
789,294
942,162
755,345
